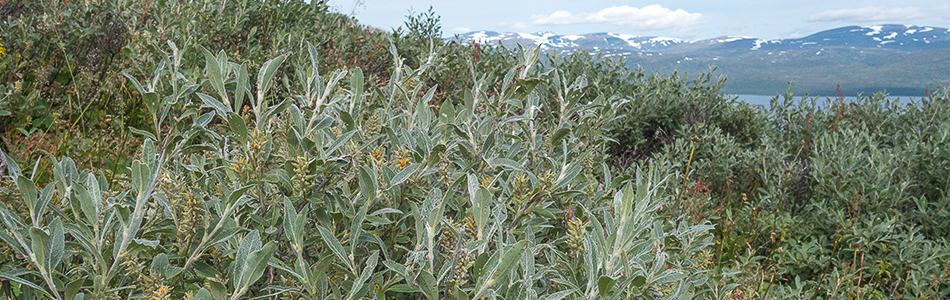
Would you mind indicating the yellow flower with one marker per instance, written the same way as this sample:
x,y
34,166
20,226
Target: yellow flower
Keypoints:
x,y
486,181
161,292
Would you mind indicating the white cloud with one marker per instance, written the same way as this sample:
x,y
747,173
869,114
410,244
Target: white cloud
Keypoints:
x,y
560,17
515,26
649,17
866,14
462,29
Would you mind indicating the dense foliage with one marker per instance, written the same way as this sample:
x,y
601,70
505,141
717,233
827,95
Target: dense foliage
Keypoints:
x,y
273,149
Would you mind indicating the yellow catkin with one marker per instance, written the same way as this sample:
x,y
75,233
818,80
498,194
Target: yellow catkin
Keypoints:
x,y
575,235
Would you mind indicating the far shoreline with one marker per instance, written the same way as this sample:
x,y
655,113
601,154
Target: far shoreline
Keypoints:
x,y
765,100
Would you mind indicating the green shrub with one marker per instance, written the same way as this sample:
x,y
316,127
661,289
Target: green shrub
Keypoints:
x,y
331,196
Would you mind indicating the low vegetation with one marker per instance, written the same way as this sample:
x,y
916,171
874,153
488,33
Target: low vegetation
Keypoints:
x,y
273,149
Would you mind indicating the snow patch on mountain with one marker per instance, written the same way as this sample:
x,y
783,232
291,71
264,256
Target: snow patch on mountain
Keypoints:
x,y
484,37
665,41
874,29
759,42
733,39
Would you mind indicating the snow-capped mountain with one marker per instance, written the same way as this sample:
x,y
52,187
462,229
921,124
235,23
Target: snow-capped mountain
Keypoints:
x,y
902,59
900,37
594,42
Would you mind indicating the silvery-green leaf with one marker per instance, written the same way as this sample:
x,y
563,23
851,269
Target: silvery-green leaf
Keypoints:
x,y
605,284
28,192
335,246
39,239
255,264
140,176
356,228
290,217
162,265
241,86
568,173
209,101
482,207
500,266
14,276
13,170
368,183
56,246
228,228
356,83
214,69
147,243
264,76
398,268
72,289
339,141
364,275
428,284
90,199
507,163
403,175
237,125
236,196
203,294
250,243
142,133
559,295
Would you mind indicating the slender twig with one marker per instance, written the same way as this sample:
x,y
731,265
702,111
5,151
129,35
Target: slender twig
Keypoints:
x,y
906,276
827,266
455,259
686,175
766,295
860,276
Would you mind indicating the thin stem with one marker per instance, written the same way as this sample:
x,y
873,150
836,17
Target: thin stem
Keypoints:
x,y
827,266
455,259
686,175
204,240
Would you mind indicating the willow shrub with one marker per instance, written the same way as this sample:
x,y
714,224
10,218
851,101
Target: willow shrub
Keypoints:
x,y
839,200
350,193
62,79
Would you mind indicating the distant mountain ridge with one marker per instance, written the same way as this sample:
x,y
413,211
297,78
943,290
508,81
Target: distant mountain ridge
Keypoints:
x,y
902,37
902,59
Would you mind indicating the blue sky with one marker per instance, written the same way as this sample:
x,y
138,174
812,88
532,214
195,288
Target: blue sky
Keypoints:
x,y
690,20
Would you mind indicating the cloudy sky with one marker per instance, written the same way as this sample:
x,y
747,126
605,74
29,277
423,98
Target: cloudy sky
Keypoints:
x,y
690,20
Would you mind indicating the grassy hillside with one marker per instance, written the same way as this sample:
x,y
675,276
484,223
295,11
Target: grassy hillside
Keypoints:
x,y
276,150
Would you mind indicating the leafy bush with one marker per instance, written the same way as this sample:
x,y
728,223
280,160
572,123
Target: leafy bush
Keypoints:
x,y
828,203
329,195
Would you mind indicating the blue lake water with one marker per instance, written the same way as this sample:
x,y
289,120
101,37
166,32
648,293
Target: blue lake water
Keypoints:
x,y
764,100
